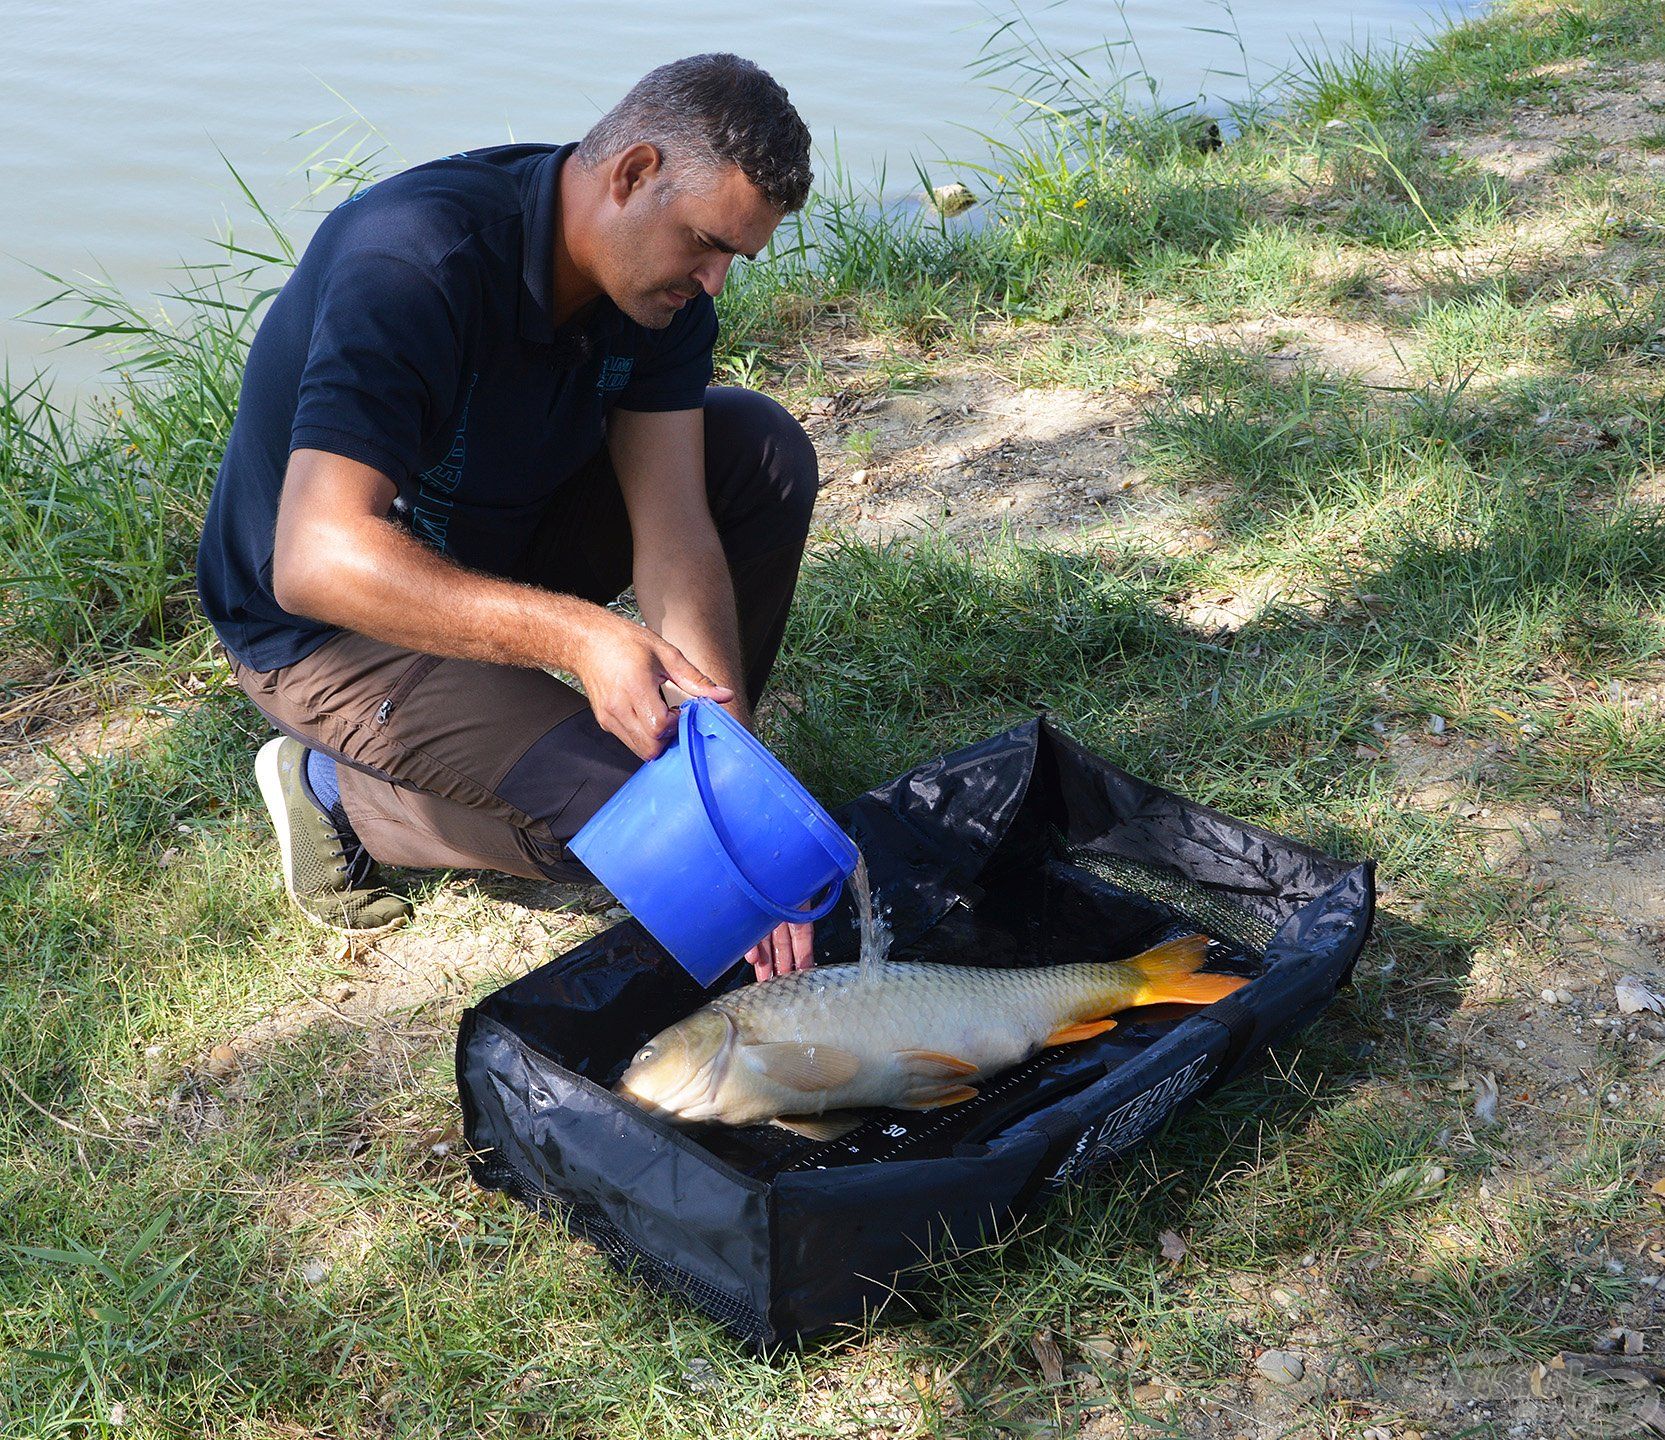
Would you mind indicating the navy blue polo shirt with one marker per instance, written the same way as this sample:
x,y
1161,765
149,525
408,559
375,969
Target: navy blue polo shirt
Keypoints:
x,y
417,335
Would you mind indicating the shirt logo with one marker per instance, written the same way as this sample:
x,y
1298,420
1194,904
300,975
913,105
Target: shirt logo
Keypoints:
x,y
431,515
615,374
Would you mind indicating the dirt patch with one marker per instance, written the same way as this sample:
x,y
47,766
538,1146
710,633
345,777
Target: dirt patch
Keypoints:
x,y
1608,873
53,730
966,455
1608,116
473,935
1549,1027
1357,348
1223,611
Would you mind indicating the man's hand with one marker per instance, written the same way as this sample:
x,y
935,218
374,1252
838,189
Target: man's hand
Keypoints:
x,y
787,948
623,665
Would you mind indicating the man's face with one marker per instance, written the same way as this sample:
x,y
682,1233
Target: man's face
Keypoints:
x,y
659,253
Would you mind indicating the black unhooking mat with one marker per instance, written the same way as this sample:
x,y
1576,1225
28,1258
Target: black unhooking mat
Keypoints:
x,y
1024,849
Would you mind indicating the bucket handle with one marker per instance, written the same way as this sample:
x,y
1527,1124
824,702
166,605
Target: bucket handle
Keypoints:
x,y
690,737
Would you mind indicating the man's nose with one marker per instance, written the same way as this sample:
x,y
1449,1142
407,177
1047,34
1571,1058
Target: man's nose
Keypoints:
x,y
713,273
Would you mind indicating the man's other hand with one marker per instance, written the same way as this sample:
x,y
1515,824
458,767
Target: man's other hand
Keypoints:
x,y
785,949
623,665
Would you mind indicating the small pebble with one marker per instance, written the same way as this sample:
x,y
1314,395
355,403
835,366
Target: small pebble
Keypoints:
x,y
1282,1367
701,1374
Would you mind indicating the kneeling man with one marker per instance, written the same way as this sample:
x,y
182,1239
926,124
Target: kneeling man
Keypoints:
x,y
478,411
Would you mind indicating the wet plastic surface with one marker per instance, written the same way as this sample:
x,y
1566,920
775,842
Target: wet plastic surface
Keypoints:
x,y
1022,850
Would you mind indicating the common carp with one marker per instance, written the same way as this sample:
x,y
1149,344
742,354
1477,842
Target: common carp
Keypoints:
x,y
909,1035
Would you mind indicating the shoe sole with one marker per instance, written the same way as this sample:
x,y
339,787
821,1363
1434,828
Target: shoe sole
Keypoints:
x,y
271,791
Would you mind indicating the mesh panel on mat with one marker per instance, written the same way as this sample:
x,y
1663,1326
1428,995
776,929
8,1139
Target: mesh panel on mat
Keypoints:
x,y
1209,911
591,1223
628,1258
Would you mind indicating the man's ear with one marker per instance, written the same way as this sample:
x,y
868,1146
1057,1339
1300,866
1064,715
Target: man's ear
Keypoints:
x,y
631,169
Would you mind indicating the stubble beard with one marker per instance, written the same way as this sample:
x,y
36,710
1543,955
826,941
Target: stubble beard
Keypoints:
x,y
645,303
653,314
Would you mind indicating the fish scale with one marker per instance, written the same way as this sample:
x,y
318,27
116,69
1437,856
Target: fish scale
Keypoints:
x,y
899,1001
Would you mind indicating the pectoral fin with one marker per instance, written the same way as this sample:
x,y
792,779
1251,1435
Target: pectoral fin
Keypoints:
x,y
804,1067
935,1065
1085,1030
834,1125
935,1100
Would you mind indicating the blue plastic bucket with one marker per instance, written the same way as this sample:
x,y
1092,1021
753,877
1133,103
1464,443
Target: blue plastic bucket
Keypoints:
x,y
714,843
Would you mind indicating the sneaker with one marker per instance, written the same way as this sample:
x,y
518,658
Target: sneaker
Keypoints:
x,y
326,869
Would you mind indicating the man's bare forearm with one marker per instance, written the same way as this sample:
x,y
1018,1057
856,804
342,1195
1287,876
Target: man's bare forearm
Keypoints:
x,y
372,576
682,582
688,598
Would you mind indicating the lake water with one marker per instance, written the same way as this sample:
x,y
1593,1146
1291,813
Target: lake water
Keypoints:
x,y
115,117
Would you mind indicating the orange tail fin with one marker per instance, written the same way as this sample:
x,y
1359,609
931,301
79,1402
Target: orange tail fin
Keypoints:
x,y
1170,977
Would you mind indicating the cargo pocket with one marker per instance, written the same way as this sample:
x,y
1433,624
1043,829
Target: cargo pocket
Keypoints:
x,y
412,676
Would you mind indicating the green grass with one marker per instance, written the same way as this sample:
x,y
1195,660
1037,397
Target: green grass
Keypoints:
x,y
279,1250
101,505
1485,332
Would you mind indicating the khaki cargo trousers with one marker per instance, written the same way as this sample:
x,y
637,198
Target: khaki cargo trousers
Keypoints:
x,y
456,763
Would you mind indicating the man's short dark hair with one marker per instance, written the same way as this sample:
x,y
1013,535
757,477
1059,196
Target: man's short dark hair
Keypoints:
x,y
705,112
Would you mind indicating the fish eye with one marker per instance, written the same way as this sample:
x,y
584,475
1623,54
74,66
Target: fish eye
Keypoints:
x,y
646,1053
